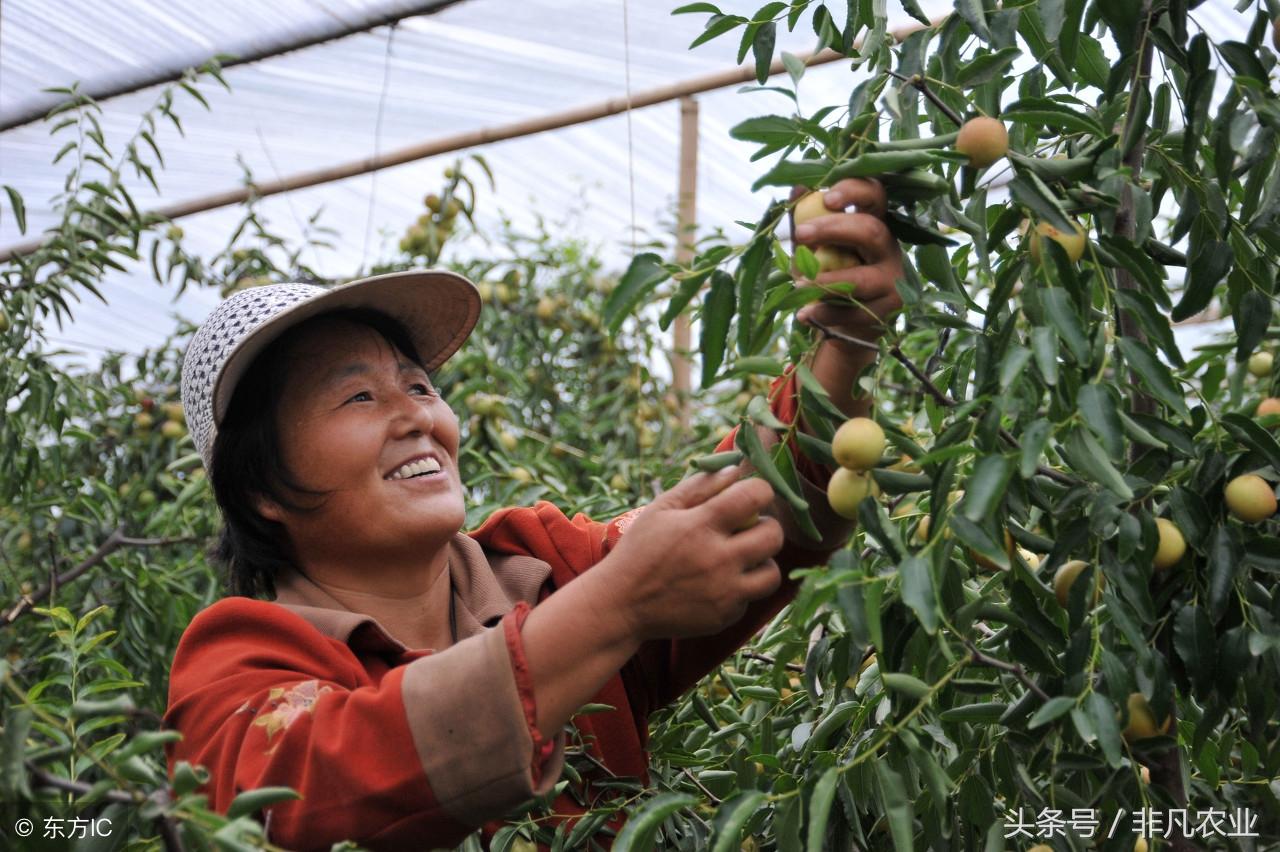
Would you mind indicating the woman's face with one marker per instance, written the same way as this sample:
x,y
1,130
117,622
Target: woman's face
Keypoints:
x,y
353,413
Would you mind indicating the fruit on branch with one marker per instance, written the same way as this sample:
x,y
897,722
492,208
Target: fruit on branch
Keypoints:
x,y
432,202
1270,405
173,430
829,257
1250,498
142,421
521,475
983,140
1260,364
1142,722
1032,560
546,308
858,444
1072,244
847,489
809,207
1065,578
1140,845
4,321
1171,547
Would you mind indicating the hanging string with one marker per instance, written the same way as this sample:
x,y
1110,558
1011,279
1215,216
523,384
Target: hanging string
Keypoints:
x,y
377,144
631,163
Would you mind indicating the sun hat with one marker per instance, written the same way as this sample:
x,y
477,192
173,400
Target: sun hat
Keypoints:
x,y
438,308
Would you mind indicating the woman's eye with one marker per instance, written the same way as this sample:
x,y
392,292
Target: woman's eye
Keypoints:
x,y
424,389
363,396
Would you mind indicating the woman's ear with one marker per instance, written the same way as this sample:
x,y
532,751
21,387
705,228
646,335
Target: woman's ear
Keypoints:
x,y
268,508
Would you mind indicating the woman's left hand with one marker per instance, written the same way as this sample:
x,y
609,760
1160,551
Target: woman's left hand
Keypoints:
x,y
864,232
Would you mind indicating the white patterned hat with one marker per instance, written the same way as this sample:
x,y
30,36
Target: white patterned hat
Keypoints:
x,y
437,308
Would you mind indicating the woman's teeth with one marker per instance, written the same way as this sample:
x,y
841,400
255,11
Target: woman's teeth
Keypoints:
x,y
416,468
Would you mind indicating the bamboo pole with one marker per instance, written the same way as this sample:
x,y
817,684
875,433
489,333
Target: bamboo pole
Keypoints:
x,y
686,223
472,139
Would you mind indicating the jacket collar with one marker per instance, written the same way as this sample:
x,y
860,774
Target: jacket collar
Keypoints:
x,y
485,586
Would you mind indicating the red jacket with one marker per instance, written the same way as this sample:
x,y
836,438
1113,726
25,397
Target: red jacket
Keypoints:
x,y
402,749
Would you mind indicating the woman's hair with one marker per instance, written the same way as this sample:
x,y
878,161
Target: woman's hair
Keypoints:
x,y
247,460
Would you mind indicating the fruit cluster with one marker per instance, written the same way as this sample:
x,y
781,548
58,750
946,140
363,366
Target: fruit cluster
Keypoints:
x,y
857,446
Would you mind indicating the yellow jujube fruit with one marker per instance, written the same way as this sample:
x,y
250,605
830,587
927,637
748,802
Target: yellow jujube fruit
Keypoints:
x,y
831,258
809,207
1072,244
1065,578
1171,547
858,444
983,140
1270,405
1142,722
847,489
1260,364
1250,498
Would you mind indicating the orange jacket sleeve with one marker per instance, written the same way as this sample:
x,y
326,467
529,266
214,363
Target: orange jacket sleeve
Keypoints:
x,y
390,755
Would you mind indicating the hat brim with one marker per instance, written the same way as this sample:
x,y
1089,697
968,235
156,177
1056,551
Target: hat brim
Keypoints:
x,y
438,309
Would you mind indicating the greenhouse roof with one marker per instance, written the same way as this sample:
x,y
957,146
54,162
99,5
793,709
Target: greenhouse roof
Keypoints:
x,y
466,66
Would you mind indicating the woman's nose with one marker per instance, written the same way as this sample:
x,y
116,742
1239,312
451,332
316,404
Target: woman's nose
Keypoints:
x,y
413,414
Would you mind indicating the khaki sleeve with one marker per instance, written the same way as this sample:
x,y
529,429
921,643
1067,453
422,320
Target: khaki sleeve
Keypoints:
x,y
471,713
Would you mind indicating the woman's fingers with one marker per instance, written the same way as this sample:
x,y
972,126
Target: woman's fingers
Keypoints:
x,y
760,581
865,194
866,234
867,313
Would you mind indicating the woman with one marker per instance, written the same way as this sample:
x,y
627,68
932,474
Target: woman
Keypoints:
x,y
410,681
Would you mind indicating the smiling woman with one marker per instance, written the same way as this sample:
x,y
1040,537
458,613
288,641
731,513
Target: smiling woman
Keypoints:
x,y
410,681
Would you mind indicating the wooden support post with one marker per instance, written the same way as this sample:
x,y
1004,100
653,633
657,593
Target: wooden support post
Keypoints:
x,y
686,224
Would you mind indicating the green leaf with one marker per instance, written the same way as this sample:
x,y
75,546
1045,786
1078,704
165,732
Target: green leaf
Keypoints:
x,y
1034,439
774,130
1043,112
1032,193
644,274
251,802
1225,552
19,208
717,313
749,442
762,49
1154,375
986,67
1087,456
1248,432
908,685
876,163
641,827
1060,310
973,14
1207,268
1044,346
1052,709
791,173
1193,639
1102,415
732,817
820,799
986,486
918,591
1102,713
897,806
1252,316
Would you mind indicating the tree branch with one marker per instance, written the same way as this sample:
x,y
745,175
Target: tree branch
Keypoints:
x,y
980,659
113,542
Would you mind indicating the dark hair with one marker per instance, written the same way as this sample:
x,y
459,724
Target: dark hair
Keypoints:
x,y
247,463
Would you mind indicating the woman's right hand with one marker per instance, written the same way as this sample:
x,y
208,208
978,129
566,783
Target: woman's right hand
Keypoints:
x,y
692,560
